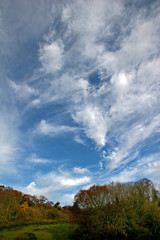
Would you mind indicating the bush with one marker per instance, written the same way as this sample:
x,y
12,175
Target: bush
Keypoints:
x,y
26,236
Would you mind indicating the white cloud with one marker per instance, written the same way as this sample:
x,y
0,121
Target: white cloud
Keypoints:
x,y
52,129
90,21
78,139
65,199
129,139
9,123
67,89
79,170
53,183
22,22
74,182
140,45
51,57
34,190
8,147
37,160
94,122
62,179
133,67
23,91
128,93
68,199
118,111
146,167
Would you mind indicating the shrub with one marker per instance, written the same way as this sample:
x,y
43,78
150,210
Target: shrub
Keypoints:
x,y
26,236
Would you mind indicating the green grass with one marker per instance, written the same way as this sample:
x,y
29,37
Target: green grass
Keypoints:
x,y
42,232
62,231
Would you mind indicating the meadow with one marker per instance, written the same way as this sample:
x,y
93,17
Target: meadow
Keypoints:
x,y
41,232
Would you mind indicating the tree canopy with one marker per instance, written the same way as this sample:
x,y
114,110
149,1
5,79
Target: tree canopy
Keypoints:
x,y
119,211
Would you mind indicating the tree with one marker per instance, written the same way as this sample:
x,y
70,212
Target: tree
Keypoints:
x,y
18,208
94,197
119,211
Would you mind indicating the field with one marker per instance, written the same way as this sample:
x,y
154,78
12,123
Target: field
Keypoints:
x,y
42,232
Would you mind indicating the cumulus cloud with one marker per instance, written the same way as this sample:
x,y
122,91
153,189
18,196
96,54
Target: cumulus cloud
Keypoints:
x,y
52,183
66,199
63,179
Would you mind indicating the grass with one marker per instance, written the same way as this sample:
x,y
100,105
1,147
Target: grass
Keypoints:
x,y
42,232
62,231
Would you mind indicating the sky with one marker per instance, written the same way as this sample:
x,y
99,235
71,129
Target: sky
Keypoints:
x,y
79,94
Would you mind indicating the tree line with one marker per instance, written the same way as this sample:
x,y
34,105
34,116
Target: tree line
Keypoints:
x,y
112,211
17,208
118,211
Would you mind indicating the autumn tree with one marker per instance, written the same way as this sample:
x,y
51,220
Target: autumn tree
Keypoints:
x,y
9,204
94,197
18,208
119,211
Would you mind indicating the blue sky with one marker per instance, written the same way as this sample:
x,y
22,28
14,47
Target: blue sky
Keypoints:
x,y
79,94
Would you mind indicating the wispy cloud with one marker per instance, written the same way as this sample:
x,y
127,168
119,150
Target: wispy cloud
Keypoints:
x,y
22,91
38,160
89,71
95,123
9,123
51,129
127,93
79,170
148,167
128,140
